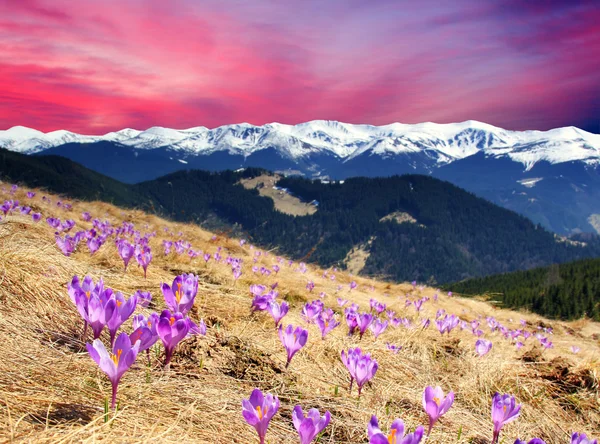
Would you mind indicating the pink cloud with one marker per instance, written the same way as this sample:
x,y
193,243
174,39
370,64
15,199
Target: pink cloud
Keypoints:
x,y
95,67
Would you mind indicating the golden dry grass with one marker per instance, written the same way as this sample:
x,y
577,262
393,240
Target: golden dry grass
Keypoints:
x,y
51,391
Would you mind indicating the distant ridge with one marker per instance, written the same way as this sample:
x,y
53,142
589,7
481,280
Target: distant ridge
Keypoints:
x,y
552,177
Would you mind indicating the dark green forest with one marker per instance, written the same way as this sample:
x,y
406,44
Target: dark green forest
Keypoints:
x,y
457,235
565,291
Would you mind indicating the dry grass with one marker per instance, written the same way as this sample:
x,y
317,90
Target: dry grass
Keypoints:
x,y
284,202
51,391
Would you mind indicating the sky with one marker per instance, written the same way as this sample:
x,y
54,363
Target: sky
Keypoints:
x,y
93,66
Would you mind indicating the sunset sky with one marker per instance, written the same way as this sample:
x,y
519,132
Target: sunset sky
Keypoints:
x,y
95,66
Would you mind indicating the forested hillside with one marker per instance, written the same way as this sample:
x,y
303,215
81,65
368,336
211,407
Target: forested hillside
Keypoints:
x,y
566,291
456,235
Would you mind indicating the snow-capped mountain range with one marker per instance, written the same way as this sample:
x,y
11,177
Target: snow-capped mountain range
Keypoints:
x,y
552,177
443,143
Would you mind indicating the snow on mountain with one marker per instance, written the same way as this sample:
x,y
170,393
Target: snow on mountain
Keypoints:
x,y
440,143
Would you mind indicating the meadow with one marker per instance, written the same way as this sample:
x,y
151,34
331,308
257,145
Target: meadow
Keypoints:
x,y
228,301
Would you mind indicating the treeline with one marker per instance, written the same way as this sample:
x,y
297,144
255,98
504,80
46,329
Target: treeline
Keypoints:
x,y
565,291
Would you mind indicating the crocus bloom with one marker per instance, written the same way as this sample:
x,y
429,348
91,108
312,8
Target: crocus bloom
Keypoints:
x,y
378,327
293,340
143,298
504,410
94,244
575,349
353,285
581,438
325,324
364,320
393,348
36,217
258,411
101,309
482,347
30,194
362,368
144,257
126,251
114,364
181,295
278,311
310,426
532,441
124,309
396,435
436,404
147,339
172,328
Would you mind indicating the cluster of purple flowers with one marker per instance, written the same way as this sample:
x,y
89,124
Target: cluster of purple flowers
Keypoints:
x,y
101,307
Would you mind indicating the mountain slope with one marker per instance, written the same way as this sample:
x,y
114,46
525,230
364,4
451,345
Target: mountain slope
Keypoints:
x,y
457,235
53,391
62,175
536,173
566,291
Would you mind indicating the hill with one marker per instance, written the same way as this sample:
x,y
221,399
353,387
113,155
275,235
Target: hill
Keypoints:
x,y
456,235
53,391
566,291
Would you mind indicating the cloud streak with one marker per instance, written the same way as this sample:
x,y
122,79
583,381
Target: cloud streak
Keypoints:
x,y
95,67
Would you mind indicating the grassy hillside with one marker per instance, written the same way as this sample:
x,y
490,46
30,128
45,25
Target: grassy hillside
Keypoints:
x,y
566,291
52,391
456,235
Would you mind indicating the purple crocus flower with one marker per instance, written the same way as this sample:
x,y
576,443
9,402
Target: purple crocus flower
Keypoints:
x,y
30,194
436,404
278,311
504,410
309,426
377,327
126,251
94,245
293,339
181,295
482,347
396,435
364,320
581,438
143,255
80,293
532,441
66,244
143,298
86,216
101,309
341,302
353,285
145,330
326,324
311,310
25,211
393,348
36,217
114,364
362,367
310,286
172,328
124,309
258,411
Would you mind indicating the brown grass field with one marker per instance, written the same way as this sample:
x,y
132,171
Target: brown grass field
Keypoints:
x,y
51,391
